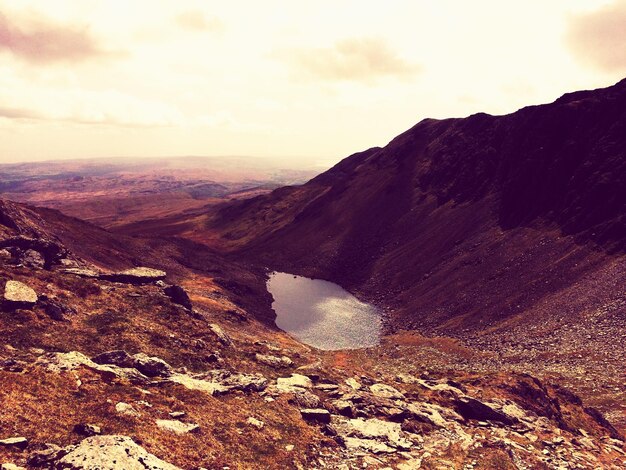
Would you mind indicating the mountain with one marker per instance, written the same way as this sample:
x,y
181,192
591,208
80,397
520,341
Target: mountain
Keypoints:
x,y
461,225
494,244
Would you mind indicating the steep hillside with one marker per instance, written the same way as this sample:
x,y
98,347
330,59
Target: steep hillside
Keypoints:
x,y
106,369
461,225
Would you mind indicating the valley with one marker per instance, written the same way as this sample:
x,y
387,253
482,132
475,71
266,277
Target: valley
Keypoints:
x,y
454,299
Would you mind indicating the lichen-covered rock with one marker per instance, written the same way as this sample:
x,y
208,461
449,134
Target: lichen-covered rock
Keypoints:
x,y
18,294
110,453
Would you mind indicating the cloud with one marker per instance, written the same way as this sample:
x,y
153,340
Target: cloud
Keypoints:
x,y
18,113
110,107
361,60
39,40
196,21
599,38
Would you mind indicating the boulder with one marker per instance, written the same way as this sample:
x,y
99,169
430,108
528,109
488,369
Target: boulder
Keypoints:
x,y
82,272
293,383
18,294
11,466
151,366
315,415
110,453
54,308
176,427
33,259
305,399
386,391
274,361
344,407
179,296
14,442
221,381
126,409
136,276
389,433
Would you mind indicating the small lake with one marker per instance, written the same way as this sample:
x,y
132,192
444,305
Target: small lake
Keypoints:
x,y
322,314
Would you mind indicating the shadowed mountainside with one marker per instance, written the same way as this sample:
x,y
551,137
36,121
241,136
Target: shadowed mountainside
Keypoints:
x,y
461,223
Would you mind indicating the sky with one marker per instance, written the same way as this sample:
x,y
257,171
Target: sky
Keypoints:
x,y
304,81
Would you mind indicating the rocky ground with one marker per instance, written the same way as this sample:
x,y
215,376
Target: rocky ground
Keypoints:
x,y
142,367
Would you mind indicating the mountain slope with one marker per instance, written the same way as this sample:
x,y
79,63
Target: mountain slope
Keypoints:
x,y
461,224
132,377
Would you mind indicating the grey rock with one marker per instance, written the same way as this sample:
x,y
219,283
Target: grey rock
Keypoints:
x,y
110,453
386,391
316,415
151,366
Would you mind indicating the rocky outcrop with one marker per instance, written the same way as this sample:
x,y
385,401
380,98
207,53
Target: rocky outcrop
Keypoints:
x,y
135,276
35,252
60,362
274,361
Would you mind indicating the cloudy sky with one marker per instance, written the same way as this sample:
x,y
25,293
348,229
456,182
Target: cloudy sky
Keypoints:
x,y
300,79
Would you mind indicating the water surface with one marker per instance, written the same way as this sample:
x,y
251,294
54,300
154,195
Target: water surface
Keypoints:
x,y
322,314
